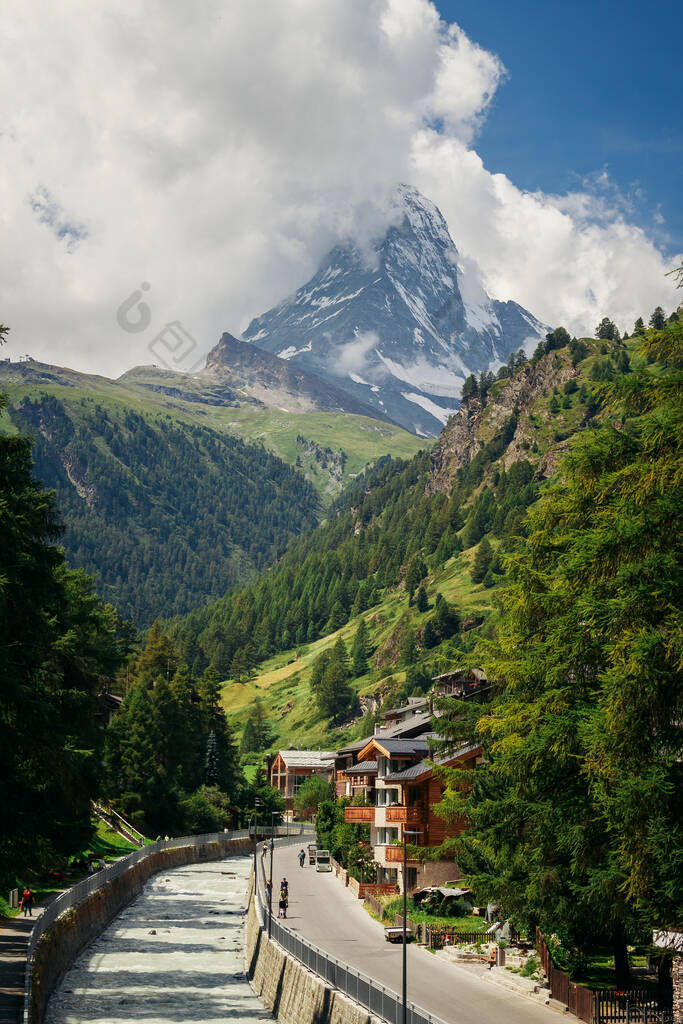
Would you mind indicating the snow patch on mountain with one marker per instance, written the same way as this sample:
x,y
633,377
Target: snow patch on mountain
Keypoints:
x,y
432,408
408,310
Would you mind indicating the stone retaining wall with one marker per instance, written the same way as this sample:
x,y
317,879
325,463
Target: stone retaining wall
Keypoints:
x,y
290,991
75,929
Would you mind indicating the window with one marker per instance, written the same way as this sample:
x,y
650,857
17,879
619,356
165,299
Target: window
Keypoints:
x,y
386,836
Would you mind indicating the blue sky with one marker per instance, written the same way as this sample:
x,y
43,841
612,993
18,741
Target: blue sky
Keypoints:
x,y
591,85
219,159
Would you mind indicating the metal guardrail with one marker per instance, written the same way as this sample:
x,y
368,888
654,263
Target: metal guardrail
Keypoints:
x,y
378,999
77,893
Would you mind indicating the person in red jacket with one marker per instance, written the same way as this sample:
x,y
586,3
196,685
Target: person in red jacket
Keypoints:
x,y
27,901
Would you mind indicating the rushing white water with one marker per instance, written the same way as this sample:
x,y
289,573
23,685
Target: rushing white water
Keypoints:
x,y
173,956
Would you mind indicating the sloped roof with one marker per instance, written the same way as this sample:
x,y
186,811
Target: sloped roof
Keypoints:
x,y
363,767
352,748
424,767
318,760
415,721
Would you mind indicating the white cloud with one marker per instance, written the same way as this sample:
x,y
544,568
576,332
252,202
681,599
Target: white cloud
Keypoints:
x,y
354,355
218,153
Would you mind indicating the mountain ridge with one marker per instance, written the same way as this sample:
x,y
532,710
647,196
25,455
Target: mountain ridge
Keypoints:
x,y
401,326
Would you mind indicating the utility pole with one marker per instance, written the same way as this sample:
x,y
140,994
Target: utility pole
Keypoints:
x,y
270,888
406,833
257,804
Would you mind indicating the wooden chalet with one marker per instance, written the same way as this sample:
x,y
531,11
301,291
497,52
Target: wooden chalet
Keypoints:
x,y
406,790
289,769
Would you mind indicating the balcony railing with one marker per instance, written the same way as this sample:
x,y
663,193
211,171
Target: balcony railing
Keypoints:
x,y
394,855
404,815
359,815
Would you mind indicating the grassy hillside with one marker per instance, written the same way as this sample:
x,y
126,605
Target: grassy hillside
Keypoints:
x,y
283,681
473,492
170,502
361,440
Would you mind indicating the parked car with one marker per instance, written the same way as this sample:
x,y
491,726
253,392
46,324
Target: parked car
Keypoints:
x,y
322,860
396,934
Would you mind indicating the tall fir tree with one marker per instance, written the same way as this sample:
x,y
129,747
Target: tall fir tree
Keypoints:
x,y
360,650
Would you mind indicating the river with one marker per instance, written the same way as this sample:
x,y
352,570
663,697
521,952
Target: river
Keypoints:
x,y
175,955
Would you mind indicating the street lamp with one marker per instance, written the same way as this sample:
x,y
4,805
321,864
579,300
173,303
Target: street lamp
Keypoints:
x,y
257,804
406,833
270,879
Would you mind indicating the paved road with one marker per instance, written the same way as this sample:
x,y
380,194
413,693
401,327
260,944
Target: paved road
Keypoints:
x,y
14,935
328,914
174,955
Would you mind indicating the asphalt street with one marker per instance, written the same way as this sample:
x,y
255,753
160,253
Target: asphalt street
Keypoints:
x,y
328,914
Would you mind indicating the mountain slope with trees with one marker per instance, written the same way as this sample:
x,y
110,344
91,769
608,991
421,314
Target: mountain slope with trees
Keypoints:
x,y
166,514
403,538
575,823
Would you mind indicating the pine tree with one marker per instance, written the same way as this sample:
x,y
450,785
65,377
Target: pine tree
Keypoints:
x,y
470,388
482,561
249,741
337,618
334,695
408,649
158,658
211,774
239,669
359,652
445,618
658,319
263,732
606,330
576,823
429,637
416,572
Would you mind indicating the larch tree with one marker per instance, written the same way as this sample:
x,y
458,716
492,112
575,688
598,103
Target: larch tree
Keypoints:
x,y
575,822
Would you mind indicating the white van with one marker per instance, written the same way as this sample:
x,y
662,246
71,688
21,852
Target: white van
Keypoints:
x,y
322,860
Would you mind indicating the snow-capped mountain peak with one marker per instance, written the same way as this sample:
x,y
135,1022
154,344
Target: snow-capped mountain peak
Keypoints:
x,y
403,329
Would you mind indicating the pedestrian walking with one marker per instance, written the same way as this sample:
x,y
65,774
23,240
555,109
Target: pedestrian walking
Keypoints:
x,y
27,901
284,899
302,858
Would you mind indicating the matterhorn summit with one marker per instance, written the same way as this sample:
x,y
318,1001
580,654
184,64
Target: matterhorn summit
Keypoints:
x,y
401,325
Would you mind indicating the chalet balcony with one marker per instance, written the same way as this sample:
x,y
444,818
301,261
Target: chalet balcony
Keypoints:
x,y
359,815
404,815
394,855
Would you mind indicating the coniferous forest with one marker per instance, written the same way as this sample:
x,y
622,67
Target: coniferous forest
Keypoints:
x,y
566,511
156,545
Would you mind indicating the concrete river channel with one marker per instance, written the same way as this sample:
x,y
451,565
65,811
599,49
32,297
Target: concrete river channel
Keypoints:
x,y
174,955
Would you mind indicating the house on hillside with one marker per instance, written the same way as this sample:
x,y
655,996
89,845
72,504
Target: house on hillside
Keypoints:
x,y
352,777
289,769
406,790
459,683
414,718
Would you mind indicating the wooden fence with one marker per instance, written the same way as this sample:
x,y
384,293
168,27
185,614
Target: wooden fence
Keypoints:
x,y
576,998
636,1006
436,936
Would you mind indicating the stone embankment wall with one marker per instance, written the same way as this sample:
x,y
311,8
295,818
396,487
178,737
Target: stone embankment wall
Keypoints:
x,y
289,990
76,928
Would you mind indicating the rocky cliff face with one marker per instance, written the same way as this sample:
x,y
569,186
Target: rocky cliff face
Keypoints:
x,y
401,326
477,422
247,371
